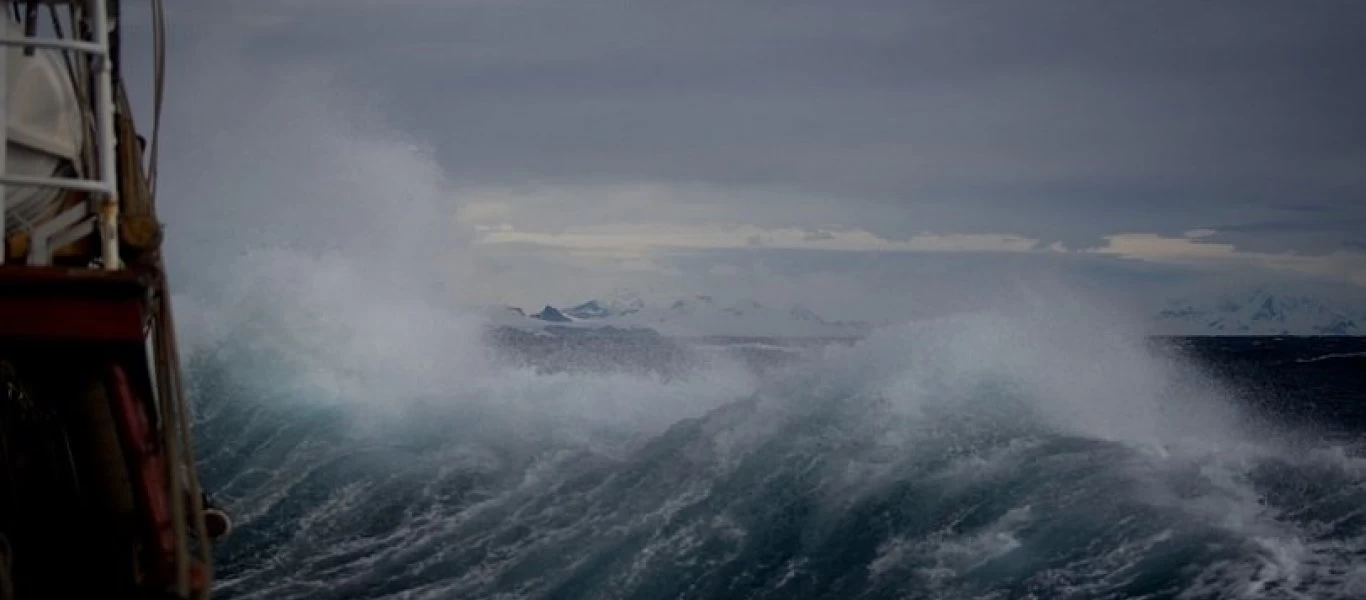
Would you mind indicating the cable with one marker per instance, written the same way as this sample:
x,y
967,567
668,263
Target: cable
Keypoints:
x,y
176,408
80,84
57,31
177,388
158,89
187,441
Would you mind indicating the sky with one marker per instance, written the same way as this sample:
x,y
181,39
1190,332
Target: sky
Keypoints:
x,y
857,156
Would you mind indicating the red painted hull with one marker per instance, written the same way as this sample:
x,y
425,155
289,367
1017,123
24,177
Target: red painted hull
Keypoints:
x,y
53,304
76,322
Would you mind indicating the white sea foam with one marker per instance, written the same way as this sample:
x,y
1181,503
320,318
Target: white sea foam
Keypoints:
x,y
316,267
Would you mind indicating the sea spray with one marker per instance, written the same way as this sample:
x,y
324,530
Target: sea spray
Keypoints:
x,y
930,458
372,445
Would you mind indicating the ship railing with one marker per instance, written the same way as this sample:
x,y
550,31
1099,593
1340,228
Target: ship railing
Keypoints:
x,y
80,220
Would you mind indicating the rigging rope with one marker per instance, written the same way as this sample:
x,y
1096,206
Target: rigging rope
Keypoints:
x,y
177,391
178,410
158,88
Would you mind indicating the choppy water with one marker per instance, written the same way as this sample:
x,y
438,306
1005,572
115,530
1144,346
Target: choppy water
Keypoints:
x,y
983,456
372,444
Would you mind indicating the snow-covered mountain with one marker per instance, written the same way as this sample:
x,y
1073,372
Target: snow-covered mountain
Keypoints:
x,y
695,316
1262,311
551,314
1284,310
597,309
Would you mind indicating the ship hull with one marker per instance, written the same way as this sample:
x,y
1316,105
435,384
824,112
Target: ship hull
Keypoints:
x,y
83,475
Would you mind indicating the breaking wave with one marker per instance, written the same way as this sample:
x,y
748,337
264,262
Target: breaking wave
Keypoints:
x,y
373,446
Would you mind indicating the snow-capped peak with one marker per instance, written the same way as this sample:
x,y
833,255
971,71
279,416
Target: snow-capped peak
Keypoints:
x,y
591,309
1262,311
598,309
551,314
701,315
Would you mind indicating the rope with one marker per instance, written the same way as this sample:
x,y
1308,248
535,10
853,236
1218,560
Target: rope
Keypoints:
x,y
57,31
187,441
177,388
81,83
158,89
177,405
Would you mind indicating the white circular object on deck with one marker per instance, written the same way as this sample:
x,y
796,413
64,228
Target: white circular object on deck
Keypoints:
x,y
43,127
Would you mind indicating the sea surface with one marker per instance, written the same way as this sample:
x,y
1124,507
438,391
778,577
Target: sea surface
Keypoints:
x,y
973,457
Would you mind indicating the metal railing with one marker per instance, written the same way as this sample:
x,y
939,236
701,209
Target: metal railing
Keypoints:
x,y
105,187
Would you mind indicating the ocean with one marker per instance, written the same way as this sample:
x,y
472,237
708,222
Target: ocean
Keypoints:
x,y
966,457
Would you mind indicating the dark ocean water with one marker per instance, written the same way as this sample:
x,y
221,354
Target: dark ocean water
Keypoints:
x,y
962,459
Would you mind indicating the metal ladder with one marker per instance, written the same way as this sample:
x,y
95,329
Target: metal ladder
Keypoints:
x,y
75,222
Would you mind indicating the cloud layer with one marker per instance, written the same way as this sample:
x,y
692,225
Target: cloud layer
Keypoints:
x,y
645,135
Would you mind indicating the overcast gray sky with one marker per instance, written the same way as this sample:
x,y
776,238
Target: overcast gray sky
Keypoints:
x,y
847,154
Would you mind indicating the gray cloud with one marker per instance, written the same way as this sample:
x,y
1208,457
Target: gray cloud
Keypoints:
x,y
1056,120
887,102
